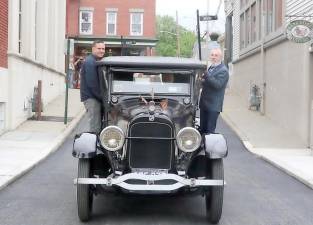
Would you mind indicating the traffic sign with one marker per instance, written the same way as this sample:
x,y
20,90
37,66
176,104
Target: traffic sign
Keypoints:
x,y
208,17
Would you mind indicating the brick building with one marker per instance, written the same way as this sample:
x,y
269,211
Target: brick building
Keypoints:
x,y
3,58
126,26
3,34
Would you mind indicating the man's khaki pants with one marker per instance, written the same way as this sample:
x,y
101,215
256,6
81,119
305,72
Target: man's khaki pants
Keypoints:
x,y
93,108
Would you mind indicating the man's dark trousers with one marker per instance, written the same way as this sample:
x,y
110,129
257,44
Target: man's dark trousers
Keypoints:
x,y
208,121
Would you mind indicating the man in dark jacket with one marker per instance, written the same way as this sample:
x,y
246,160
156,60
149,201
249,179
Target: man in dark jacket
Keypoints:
x,y
90,88
213,89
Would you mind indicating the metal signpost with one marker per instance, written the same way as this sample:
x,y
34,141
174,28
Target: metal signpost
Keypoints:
x,y
69,51
202,18
198,31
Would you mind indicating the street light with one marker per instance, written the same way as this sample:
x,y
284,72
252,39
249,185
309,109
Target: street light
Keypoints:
x,y
177,40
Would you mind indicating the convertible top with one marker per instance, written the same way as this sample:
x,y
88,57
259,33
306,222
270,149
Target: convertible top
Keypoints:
x,y
152,61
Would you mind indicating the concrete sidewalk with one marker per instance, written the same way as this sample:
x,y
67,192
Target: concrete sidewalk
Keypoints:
x,y
24,147
263,137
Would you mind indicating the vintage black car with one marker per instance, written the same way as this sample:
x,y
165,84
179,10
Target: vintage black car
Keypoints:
x,y
150,143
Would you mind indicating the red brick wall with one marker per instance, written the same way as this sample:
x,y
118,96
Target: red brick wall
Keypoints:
x,y
123,16
72,16
3,33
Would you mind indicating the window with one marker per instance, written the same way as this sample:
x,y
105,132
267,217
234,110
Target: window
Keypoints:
x,y
257,16
242,3
278,14
253,23
269,15
229,39
260,18
142,82
248,27
136,24
274,16
111,23
20,27
85,22
242,31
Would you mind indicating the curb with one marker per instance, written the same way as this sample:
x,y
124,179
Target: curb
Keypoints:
x,y
234,127
251,148
56,143
289,172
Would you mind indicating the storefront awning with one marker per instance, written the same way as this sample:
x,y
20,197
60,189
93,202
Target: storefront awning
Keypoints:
x,y
117,41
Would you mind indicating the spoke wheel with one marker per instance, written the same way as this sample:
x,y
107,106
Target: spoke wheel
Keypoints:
x,y
84,192
214,197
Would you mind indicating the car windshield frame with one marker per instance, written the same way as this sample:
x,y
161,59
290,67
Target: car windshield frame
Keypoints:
x,y
175,82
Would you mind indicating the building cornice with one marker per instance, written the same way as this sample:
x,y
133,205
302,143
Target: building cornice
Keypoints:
x,y
38,64
268,43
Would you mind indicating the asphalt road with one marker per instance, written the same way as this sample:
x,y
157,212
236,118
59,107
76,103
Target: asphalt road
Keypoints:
x,y
256,194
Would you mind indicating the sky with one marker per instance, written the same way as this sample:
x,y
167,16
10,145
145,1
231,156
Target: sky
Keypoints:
x,y
187,13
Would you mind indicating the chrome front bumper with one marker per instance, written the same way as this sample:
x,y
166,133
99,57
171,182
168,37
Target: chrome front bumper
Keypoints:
x,y
150,182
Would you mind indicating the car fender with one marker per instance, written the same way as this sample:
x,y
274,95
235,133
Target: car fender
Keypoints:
x,y
85,145
215,146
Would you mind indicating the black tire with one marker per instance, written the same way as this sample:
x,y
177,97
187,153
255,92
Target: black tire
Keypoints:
x,y
84,192
214,197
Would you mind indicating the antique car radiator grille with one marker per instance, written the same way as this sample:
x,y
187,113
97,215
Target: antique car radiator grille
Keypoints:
x,y
150,144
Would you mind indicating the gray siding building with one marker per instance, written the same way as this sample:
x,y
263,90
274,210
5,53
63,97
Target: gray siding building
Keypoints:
x,y
259,53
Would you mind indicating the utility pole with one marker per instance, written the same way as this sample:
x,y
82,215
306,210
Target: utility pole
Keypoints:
x,y
198,31
122,45
67,78
177,35
207,30
205,18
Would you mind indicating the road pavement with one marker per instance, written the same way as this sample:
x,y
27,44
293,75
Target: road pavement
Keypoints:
x,y
256,193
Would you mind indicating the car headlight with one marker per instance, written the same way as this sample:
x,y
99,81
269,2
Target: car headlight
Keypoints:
x,y
112,138
188,139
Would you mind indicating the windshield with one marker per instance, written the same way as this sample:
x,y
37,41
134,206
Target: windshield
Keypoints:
x,y
146,82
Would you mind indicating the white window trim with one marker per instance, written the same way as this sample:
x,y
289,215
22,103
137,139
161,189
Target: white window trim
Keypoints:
x,y
86,9
136,10
107,22
80,23
131,22
111,9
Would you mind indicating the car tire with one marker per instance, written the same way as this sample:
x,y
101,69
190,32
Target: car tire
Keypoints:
x,y
214,196
84,191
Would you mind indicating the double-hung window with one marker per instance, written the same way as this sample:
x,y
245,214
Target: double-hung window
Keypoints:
x,y
85,22
252,12
136,23
111,23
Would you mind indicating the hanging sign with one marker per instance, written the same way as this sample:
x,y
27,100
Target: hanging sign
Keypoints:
x,y
300,31
208,17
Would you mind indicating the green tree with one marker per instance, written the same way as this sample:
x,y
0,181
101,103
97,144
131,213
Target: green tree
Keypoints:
x,y
166,34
